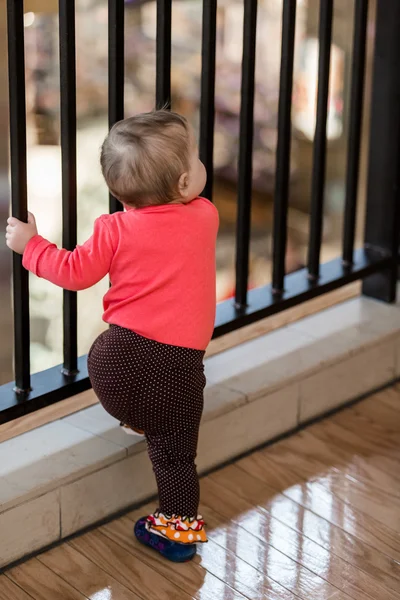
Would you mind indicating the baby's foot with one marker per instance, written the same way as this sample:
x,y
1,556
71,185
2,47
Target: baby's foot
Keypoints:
x,y
131,430
172,551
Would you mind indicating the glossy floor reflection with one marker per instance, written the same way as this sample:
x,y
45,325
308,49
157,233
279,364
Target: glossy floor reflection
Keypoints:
x,y
313,517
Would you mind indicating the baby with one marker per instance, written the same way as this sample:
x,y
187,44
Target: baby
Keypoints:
x,y
147,369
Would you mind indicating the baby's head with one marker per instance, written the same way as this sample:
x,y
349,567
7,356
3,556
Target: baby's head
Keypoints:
x,y
152,159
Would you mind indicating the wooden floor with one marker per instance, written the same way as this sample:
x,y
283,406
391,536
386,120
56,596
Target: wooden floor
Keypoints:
x,y
316,517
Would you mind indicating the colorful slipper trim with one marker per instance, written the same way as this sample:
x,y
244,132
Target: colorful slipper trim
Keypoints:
x,y
178,553
183,530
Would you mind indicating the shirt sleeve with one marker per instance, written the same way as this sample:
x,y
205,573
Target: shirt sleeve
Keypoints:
x,y
76,270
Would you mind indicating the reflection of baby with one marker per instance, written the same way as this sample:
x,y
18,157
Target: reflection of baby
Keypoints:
x,y
147,368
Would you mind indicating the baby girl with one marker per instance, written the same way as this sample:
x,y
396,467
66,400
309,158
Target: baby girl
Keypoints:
x,y
147,367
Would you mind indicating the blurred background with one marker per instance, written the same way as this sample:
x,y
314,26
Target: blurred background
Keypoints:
x,y
44,156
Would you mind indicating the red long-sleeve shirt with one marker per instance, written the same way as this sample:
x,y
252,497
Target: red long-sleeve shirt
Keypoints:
x,y
161,262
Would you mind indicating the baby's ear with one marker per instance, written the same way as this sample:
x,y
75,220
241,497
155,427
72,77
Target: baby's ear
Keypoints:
x,y
183,184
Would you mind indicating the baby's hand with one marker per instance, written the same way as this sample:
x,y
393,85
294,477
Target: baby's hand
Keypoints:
x,y
19,233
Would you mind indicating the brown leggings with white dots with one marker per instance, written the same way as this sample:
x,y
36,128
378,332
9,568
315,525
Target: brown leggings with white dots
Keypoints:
x,y
158,389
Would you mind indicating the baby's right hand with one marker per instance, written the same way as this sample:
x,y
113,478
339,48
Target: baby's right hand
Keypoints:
x,y
18,234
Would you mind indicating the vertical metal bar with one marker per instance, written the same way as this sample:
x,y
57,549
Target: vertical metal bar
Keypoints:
x,y
163,51
19,205
7,325
319,156
382,222
356,114
207,103
245,152
116,71
68,161
282,174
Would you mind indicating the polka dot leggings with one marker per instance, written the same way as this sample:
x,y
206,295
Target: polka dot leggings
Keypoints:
x,y
158,389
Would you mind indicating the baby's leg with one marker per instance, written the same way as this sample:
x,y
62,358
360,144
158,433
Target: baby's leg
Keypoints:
x,y
114,361
158,388
173,457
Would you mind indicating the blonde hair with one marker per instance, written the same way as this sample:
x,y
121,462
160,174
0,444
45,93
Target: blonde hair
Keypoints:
x,y
143,157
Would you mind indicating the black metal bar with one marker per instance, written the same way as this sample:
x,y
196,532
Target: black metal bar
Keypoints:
x,y
245,152
319,154
163,51
19,205
382,227
282,174
207,102
116,72
68,161
356,114
262,302
51,386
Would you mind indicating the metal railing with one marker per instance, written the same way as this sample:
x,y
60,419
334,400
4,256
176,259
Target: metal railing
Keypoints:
x,y
376,264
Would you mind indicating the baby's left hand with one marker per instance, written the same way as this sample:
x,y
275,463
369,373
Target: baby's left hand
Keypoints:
x,y
19,234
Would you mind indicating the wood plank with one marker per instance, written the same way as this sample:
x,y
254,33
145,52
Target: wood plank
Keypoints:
x,y
41,583
377,504
377,412
298,454
347,443
377,423
315,444
334,539
265,557
219,561
258,524
391,397
127,569
10,591
84,575
192,576
351,580
321,456
314,497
